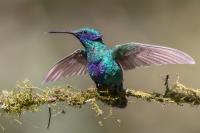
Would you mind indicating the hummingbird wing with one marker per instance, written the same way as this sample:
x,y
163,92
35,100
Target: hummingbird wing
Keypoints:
x,y
73,64
132,55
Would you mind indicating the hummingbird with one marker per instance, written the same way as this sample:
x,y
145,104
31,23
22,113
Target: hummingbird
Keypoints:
x,y
105,65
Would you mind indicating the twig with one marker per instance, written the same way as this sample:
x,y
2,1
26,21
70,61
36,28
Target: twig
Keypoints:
x,y
166,84
26,98
49,120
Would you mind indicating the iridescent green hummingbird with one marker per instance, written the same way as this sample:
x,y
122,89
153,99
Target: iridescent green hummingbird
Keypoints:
x,y
105,65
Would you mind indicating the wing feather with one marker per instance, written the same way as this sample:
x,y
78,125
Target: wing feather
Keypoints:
x,y
74,64
132,55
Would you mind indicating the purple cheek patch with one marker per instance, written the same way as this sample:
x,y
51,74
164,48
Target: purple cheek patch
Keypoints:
x,y
95,37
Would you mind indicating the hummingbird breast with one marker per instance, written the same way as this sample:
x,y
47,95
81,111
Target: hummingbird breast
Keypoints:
x,y
103,69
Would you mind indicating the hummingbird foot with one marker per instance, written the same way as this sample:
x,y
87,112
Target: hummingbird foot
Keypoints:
x,y
116,92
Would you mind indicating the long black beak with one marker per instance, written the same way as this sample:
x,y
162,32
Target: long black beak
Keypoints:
x,y
68,32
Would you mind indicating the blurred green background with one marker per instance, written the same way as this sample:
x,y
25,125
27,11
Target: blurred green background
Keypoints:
x,y
27,51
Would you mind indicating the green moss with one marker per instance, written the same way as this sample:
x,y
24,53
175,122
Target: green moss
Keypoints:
x,y
26,97
21,98
182,94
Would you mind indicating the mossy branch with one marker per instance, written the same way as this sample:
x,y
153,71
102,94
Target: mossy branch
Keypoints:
x,y
26,97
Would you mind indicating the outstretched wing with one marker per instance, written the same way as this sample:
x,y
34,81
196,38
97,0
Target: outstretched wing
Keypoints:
x,y
133,55
74,64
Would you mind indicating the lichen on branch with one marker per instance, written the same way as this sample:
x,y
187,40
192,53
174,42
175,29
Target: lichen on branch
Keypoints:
x,y
27,97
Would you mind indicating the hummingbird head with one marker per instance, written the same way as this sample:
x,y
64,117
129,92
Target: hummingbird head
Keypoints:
x,y
84,34
90,34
